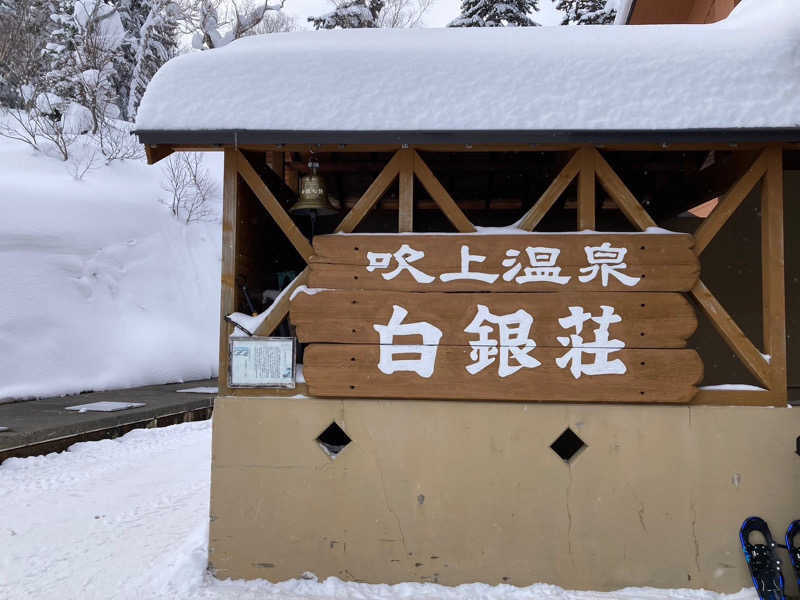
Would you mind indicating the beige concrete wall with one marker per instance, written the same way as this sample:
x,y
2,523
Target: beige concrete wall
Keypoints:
x,y
465,491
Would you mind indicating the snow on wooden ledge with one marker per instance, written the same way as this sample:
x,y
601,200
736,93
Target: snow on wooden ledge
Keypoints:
x,y
733,387
512,230
743,72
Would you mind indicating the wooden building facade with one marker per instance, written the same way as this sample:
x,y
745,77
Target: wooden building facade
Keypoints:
x,y
451,475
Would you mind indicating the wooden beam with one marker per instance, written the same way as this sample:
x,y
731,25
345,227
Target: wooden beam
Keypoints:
x,y
285,195
274,207
445,202
772,270
729,203
230,201
586,199
281,308
156,153
534,216
372,195
732,334
405,212
712,397
277,162
621,195
711,182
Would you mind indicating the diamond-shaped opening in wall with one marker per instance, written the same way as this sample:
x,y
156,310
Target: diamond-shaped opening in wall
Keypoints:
x,y
333,440
568,445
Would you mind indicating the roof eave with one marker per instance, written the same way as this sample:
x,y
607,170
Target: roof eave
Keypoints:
x,y
666,137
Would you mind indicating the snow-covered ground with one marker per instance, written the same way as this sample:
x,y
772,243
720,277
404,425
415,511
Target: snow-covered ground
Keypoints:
x,y
128,519
101,287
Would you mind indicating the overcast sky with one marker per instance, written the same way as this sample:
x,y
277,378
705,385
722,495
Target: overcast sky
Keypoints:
x,y
440,14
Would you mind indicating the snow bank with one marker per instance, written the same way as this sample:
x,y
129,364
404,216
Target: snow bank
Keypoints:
x,y
742,72
102,288
128,518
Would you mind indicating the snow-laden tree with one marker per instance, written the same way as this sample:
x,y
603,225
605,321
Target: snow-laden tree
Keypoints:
x,y
403,13
354,14
215,23
586,12
350,14
151,40
496,13
24,29
190,187
60,48
84,50
274,22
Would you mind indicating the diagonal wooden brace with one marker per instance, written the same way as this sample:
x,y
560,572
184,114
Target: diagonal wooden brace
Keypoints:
x,y
536,213
280,309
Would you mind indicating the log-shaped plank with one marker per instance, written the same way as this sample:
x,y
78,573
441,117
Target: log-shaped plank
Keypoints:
x,y
659,262
335,370
642,248
653,278
649,320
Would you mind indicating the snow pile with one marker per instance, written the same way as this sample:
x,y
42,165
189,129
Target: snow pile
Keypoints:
x,y
102,287
128,519
742,72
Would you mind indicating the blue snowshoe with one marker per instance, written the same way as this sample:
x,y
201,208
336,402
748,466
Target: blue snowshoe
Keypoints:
x,y
793,548
763,563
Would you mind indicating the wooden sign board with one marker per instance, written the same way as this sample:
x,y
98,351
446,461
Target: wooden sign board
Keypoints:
x,y
651,376
611,332
648,320
531,262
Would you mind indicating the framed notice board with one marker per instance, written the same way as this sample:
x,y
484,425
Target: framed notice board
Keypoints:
x,y
262,362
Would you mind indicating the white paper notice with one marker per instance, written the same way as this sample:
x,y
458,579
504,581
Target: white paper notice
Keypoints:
x,y
262,362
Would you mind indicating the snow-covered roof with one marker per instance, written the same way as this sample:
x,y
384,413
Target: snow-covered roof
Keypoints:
x,y
743,72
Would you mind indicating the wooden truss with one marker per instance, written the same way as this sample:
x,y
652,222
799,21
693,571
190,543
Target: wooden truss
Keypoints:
x,y
588,165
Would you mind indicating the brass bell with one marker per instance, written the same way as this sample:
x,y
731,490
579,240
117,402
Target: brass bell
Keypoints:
x,y
313,195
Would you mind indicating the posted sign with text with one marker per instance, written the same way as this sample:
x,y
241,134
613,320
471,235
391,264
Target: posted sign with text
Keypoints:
x,y
536,317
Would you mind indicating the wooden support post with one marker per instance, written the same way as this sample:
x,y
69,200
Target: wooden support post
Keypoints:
x,y
586,188
230,201
405,213
772,271
292,177
534,216
276,162
445,202
729,203
274,207
621,195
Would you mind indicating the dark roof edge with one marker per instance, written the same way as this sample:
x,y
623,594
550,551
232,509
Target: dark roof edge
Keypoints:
x,y
227,137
